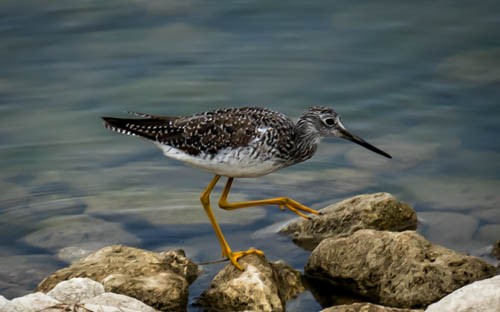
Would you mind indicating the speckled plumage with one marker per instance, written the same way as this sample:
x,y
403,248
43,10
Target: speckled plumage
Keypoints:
x,y
234,142
248,141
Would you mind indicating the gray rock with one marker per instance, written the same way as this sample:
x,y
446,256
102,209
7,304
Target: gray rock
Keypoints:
x,y
160,280
31,302
365,307
396,269
76,290
380,211
262,286
480,296
116,301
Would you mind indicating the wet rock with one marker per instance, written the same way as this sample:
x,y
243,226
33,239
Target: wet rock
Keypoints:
x,y
379,211
495,251
365,307
481,296
395,269
76,290
160,280
262,286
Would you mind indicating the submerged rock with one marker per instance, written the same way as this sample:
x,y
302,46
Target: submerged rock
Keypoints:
x,y
81,231
379,211
481,296
160,280
395,269
365,307
262,286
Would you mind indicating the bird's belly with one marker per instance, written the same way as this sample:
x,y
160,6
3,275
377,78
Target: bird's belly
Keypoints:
x,y
237,163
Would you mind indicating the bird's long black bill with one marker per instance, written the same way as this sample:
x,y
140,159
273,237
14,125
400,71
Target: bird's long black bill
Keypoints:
x,y
353,138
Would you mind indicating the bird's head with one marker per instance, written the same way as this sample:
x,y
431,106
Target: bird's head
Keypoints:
x,y
324,121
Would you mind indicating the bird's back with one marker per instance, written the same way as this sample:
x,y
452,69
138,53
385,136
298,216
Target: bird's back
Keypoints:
x,y
238,142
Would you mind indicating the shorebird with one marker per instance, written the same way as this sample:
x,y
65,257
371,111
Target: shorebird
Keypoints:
x,y
239,143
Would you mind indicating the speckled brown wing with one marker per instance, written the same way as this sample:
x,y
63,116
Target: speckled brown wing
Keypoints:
x,y
208,132
213,131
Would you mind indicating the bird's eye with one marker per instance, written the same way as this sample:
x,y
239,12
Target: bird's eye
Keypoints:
x,y
330,121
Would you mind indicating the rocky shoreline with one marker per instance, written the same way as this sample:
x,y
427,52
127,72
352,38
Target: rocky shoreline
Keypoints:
x,y
365,246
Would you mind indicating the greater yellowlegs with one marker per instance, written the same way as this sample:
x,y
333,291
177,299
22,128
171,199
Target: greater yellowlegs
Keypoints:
x,y
238,143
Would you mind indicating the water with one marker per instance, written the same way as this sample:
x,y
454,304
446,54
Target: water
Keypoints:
x,y
419,80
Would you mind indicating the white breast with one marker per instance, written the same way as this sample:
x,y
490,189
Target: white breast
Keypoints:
x,y
237,163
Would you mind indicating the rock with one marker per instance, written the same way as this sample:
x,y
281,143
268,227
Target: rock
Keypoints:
x,y
32,302
481,296
380,211
76,294
118,302
395,269
160,280
76,290
262,286
495,251
3,302
365,307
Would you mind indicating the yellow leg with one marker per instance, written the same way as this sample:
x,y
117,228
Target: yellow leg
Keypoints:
x,y
226,250
282,202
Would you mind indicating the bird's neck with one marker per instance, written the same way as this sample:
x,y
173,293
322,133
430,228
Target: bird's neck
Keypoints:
x,y
306,140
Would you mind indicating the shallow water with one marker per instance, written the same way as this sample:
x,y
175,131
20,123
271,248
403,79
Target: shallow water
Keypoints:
x,y
419,80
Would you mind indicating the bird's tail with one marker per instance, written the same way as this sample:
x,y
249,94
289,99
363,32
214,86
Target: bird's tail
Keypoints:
x,y
148,128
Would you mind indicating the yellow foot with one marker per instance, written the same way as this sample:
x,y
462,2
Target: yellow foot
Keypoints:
x,y
297,208
234,256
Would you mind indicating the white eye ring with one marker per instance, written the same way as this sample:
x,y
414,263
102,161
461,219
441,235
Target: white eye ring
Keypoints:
x,y
329,121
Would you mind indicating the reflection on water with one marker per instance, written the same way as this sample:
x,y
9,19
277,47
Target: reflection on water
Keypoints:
x,y
418,83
